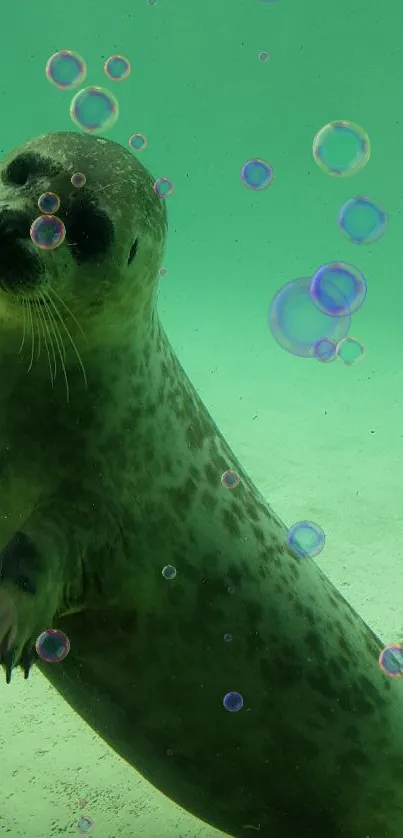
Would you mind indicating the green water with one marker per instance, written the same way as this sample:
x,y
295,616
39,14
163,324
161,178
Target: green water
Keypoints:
x,y
322,441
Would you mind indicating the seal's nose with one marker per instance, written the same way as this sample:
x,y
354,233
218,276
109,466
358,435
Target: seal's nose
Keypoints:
x,y
20,264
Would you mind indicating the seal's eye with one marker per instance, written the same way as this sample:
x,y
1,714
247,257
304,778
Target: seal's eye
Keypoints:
x,y
133,251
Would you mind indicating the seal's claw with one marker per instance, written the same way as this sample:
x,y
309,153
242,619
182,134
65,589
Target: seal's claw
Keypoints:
x,y
7,662
27,659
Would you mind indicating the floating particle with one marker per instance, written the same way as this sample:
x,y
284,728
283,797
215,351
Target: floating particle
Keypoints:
x,y
169,571
325,350
66,69
297,324
47,232
257,174
233,702
391,660
263,56
338,288
227,637
341,149
230,479
94,109
78,180
138,142
163,187
363,220
85,825
117,67
305,539
48,202
52,645
350,351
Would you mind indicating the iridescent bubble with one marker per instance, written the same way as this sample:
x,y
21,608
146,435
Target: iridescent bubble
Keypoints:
x,y
341,149
233,702
391,660
94,109
338,288
117,67
257,174
163,187
296,323
47,232
227,637
363,220
52,645
350,351
305,538
263,56
49,202
66,69
85,825
78,180
230,479
138,142
325,350
169,571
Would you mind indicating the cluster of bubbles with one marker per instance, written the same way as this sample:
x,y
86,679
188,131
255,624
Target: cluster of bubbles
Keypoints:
x,y
47,231
310,316
95,109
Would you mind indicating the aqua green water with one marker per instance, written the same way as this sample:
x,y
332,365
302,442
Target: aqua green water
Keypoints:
x,y
322,441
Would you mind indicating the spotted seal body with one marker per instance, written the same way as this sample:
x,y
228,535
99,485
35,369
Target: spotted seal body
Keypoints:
x,y
110,469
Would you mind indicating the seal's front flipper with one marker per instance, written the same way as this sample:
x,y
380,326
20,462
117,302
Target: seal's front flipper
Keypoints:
x,y
40,571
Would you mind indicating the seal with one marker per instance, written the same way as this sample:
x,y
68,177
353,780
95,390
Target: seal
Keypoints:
x,y
116,528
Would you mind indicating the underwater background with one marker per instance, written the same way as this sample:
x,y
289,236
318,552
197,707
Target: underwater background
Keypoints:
x,y
323,441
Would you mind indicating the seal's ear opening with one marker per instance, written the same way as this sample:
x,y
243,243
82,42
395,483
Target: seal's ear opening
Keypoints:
x,y
133,251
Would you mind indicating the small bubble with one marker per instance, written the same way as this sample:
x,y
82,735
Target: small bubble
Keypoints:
x,y
338,289
231,589
305,539
78,180
233,702
227,637
47,232
263,56
350,351
138,142
163,187
66,69
169,571
94,109
257,174
230,479
341,148
48,202
325,350
162,272
52,645
117,67
363,220
85,825
391,660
